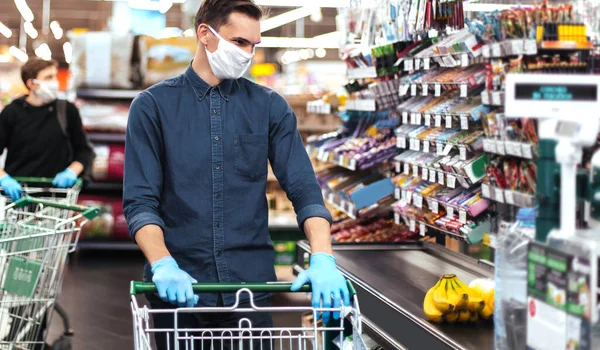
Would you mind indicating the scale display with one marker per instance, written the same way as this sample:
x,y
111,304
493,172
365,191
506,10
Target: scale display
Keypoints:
x,y
556,92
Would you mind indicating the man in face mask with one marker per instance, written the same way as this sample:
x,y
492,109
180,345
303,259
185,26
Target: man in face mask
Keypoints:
x,y
37,144
197,152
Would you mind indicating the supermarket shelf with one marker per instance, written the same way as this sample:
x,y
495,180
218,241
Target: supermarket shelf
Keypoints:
x,y
412,224
391,282
106,137
108,94
317,128
448,60
515,198
438,119
433,175
510,148
361,73
361,105
433,204
106,245
104,186
509,48
441,147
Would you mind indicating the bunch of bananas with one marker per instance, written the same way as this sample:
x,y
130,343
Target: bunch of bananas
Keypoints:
x,y
451,300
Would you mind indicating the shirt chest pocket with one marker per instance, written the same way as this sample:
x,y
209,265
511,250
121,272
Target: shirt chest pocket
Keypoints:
x,y
251,155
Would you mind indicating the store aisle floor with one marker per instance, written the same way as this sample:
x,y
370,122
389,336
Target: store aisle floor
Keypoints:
x,y
96,296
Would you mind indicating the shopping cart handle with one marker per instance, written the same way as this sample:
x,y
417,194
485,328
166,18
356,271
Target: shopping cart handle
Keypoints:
x,y
88,212
268,287
46,181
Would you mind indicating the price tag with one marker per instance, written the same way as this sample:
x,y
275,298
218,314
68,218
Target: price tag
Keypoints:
x,y
437,90
530,47
438,121
516,47
404,117
422,229
464,122
415,170
435,207
450,212
412,119
441,178
418,201
418,117
408,64
493,146
352,164
417,146
330,198
404,89
499,195
417,64
439,149
527,151
449,122
496,98
485,98
406,169
426,63
425,88
408,196
425,173
485,190
426,146
403,195
432,175
341,161
447,150
451,181
401,142
500,148
462,152
413,89
413,225
496,50
462,216
397,218
398,167
509,197
517,149
464,89
427,119
397,193
464,60
485,51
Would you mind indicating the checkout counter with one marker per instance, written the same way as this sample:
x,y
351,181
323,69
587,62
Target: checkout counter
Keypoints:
x,y
391,281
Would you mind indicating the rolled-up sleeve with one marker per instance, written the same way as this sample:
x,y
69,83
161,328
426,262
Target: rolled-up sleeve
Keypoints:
x,y
143,176
291,164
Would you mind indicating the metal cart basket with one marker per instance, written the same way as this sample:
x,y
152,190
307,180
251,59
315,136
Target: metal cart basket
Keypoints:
x,y
336,334
35,237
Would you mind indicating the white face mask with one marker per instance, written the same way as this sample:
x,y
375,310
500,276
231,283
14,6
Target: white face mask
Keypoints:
x,y
48,90
228,61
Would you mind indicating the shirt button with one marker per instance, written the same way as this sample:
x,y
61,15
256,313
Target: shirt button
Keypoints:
x,y
218,167
214,111
218,253
218,225
218,196
217,138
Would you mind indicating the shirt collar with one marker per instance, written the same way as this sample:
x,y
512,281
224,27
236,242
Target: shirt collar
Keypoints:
x,y
202,88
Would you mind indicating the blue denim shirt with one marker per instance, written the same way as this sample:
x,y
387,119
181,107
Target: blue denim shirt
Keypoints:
x,y
196,161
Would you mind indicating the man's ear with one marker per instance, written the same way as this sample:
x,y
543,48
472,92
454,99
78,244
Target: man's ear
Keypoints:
x,y
202,33
29,84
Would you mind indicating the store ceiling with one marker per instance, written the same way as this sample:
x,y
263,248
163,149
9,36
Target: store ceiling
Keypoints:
x,y
95,16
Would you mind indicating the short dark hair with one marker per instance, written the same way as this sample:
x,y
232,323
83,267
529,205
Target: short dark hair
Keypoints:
x,y
215,13
33,67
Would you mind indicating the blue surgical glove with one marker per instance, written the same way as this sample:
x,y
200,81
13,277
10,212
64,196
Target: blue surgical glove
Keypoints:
x,y
174,285
327,283
65,179
11,187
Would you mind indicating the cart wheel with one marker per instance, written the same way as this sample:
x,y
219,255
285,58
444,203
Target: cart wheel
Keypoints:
x,y
63,343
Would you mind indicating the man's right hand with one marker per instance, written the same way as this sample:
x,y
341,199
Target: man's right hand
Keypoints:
x,y
11,187
174,285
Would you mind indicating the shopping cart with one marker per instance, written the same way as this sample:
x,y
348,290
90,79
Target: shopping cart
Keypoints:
x,y
337,334
41,187
35,237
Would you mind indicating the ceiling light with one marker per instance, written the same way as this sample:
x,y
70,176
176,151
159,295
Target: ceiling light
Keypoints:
x,y
56,30
4,30
189,33
321,52
163,6
68,50
43,52
286,17
317,16
24,10
297,43
299,3
18,54
30,30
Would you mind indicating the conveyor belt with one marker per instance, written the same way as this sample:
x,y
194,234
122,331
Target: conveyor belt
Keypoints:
x,y
392,280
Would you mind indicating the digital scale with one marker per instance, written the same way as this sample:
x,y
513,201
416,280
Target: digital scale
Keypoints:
x,y
562,282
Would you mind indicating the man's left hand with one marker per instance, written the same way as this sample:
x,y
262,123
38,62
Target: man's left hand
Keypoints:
x,y
65,179
327,283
